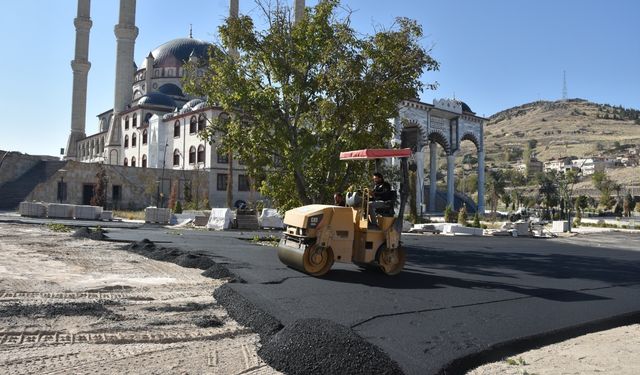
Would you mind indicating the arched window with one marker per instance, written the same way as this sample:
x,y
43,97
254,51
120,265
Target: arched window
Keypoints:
x,y
193,123
126,141
133,161
135,120
202,122
192,155
144,161
201,154
147,117
176,157
176,128
134,138
126,123
145,136
126,162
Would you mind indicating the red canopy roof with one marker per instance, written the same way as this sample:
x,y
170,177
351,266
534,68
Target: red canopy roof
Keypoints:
x,y
375,153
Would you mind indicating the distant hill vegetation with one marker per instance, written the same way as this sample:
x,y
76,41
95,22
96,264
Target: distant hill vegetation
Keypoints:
x,y
573,127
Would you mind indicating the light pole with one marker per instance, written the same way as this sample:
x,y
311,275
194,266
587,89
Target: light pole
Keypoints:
x,y
61,187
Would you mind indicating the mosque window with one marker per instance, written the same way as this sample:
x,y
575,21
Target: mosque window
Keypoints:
x,y
133,161
126,141
135,120
145,136
144,161
134,138
221,181
193,125
147,117
126,123
126,162
202,122
176,157
192,155
176,129
201,154
243,182
223,158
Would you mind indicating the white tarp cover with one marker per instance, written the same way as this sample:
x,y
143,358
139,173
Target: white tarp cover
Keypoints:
x,y
220,219
270,218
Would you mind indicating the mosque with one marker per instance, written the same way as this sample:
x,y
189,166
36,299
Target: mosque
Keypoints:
x,y
155,124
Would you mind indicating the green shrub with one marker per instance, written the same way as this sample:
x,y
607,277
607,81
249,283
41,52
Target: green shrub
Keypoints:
x,y
177,209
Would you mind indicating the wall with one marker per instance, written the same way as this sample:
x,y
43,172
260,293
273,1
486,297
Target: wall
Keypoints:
x,y
139,186
15,164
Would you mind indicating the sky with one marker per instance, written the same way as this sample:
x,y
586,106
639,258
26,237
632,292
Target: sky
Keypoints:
x,y
493,54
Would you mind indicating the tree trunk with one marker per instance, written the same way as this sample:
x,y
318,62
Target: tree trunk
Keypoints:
x,y
300,188
230,181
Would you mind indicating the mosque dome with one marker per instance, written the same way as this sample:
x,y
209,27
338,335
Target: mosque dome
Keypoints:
x,y
157,98
170,89
176,52
465,107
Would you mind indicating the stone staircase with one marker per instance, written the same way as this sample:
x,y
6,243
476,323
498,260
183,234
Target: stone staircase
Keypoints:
x,y
14,192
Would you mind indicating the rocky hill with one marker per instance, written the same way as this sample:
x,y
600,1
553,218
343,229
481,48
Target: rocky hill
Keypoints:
x,y
573,127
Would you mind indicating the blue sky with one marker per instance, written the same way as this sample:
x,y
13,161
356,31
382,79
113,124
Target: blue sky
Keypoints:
x,y
494,54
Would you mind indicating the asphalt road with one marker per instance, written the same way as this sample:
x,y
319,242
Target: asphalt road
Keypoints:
x,y
460,300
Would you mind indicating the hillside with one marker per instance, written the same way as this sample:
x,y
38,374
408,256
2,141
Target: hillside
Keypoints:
x,y
573,127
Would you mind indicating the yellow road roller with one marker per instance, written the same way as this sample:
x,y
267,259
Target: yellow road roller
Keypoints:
x,y
318,235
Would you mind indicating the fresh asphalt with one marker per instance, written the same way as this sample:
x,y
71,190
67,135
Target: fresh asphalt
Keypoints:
x,y
460,300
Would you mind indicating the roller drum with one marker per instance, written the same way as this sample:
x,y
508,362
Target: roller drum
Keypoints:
x,y
290,255
312,259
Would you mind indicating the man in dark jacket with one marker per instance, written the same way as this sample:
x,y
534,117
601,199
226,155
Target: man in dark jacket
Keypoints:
x,y
380,193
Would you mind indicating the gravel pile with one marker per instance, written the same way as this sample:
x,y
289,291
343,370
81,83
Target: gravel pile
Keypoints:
x,y
320,346
194,261
84,232
57,309
246,313
208,322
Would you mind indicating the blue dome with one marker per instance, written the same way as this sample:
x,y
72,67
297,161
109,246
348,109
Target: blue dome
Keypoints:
x,y
176,52
157,98
171,89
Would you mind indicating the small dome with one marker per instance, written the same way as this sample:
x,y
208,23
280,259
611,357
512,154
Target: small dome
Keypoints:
x,y
193,102
171,89
157,98
199,106
465,107
176,52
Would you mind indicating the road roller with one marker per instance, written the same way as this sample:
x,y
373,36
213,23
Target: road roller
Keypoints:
x,y
318,235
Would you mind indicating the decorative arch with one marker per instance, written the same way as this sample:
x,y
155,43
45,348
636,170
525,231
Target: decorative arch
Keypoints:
x,y
145,137
176,129
439,138
134,139
135,121
126,162
133,161
471,137
126,140
144,160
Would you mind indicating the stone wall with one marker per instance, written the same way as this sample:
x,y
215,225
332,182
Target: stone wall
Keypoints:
x,y
15,164
138,187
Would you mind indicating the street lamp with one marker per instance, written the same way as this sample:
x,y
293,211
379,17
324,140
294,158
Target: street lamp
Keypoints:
x,y
62,191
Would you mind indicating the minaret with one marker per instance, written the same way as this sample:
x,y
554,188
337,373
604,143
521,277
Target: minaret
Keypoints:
x,y
126,33
298,10
80,66
148,73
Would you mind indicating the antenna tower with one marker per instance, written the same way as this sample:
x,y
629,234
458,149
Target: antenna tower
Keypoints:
x,y
565,96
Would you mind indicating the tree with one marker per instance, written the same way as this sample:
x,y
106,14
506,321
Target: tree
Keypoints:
x,y
173,194
606,186
303,92
495,189
449,215
99,197
462,215
628,204
548,189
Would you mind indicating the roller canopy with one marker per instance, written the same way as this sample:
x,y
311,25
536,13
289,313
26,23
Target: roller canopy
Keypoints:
x,y
375,153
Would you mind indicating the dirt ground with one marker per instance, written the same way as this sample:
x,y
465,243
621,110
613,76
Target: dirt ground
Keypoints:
x,y
79,306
